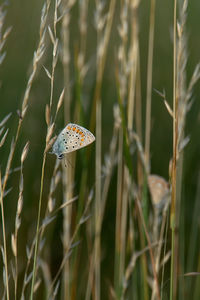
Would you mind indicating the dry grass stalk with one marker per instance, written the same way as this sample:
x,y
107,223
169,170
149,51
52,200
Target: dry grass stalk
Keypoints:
x,y
14,237
47,115
150,249
48,137
3,38
180,108
60,101
70,247
149,83
167,105
68,172
127,88
48,218
5,119
3,34
103,27
130,267
4,248
2,141
133,62
121,209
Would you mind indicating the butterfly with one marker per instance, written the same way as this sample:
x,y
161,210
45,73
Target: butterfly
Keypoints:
x,y
72,138
159,189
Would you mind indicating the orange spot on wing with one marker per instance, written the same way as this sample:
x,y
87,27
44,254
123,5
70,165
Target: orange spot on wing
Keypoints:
x,y
81,144
68,127
82,140
74,129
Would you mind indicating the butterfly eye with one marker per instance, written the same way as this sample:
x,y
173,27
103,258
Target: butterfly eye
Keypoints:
x,y
60,156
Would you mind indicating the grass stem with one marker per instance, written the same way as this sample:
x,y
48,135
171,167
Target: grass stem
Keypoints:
x,y
149,82
38,228
4,240
175,140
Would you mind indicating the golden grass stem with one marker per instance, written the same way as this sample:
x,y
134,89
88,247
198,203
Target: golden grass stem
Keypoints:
x,y
19,208
133,59
175,140
149,83
68,172
98,208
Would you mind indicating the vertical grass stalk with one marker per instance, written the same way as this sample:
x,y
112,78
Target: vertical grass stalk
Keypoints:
x,y
68,171
149,83
175,138
5,258
38,228
97,256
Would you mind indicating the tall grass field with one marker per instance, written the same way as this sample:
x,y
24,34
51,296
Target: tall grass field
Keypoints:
x,y
120,218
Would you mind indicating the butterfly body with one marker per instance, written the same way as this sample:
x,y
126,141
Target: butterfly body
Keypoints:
x,y
72,138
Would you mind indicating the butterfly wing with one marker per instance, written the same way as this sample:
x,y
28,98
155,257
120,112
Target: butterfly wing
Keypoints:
x,y
72,138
